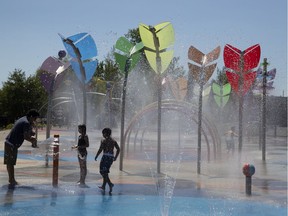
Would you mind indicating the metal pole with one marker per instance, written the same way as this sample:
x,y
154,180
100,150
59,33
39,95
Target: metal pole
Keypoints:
x,y
199,129
84,104
241,98
240,123
260,124
122,146
179,130
159,124
108,104
264,110
159,69
248,185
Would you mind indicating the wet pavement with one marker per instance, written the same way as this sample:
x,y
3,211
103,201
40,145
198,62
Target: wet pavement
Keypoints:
x,y
220,178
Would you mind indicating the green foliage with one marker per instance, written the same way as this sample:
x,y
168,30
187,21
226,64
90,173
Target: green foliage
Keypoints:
x,y
133,35
175,70
9,126
221,78
108,70
19,94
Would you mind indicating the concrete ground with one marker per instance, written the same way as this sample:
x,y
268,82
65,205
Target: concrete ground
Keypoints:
x,y
222,177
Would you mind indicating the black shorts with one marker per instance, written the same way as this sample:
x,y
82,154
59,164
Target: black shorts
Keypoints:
x,y
10,154
105,164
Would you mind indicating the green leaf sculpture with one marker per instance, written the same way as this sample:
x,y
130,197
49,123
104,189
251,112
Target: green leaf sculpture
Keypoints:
x,y
125,50
157,40
221,93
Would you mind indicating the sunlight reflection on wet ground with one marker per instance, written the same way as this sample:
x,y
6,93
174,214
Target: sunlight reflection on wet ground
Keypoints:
x,y
76,201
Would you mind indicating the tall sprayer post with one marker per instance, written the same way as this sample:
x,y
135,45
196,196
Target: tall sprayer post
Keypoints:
x,y
55,146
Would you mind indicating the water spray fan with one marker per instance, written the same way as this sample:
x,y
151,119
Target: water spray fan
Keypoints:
x,y
157,40
127,51
51,72
221,93
240,65
204,71
85,49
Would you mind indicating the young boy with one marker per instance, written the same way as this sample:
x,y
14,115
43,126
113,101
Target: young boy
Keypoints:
x,y
107,146
83,143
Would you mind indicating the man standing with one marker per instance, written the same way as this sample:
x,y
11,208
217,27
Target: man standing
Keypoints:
x,y
22,130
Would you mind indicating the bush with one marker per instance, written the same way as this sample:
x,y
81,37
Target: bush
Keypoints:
x,y
9,126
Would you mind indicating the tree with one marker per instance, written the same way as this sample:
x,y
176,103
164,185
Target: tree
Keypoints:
x,y
20,94
107,71
175,70
133,35
221,77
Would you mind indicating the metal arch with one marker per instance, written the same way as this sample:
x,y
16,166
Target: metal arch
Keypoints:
x,y
172,104
151,108
182,107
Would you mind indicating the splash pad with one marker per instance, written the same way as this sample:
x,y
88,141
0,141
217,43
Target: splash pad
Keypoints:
x,y
139,190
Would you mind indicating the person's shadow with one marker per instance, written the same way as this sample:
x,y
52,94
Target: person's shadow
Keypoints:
x,y
53,198
106,204
9,197
8,200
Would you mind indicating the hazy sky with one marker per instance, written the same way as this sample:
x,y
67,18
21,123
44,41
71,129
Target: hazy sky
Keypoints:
x,y
29,28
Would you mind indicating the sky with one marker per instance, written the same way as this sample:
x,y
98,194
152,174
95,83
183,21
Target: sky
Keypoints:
x,y
29,29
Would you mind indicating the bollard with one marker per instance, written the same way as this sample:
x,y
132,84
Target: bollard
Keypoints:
x,y
55,146
248,171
